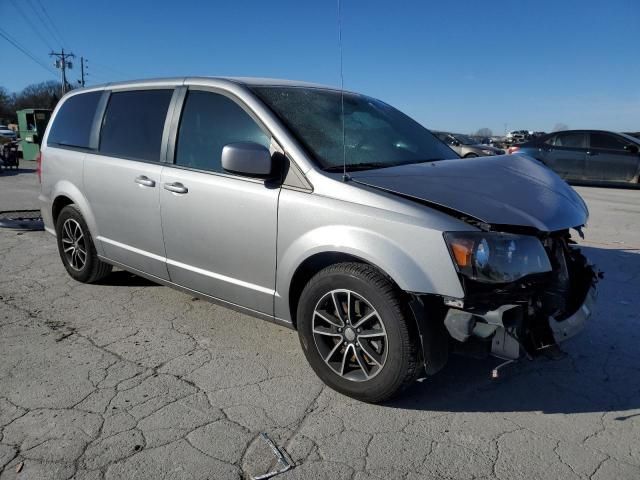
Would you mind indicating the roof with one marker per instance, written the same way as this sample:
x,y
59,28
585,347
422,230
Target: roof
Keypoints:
x,y
246,81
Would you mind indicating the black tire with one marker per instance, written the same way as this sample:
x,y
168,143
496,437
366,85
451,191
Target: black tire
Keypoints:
x,y
470,155
401,364
92,269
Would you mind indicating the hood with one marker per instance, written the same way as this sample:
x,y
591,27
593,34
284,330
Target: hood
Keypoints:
x,y
504,190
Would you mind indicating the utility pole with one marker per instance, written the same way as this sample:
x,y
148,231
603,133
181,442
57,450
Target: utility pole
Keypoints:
x,y
62,63
82,71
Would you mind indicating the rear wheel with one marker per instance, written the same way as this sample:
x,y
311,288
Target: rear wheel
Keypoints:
x,y
355,334
76,248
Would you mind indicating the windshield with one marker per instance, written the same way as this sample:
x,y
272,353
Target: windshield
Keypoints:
x,y
464,140
630,138
376,135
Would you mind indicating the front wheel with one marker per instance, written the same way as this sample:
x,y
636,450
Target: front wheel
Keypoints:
x,y
75,245
355,334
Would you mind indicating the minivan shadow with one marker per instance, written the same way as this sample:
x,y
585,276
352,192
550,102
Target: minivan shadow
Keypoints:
x,y
600,373
122,278
11,172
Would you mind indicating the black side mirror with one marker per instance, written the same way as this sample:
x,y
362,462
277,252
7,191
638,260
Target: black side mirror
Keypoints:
x,y
631,148
247,158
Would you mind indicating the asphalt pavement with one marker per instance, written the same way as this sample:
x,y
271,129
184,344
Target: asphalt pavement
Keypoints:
x,y
128,379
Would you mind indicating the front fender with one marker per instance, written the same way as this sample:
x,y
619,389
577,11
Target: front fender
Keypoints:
x,y
413,273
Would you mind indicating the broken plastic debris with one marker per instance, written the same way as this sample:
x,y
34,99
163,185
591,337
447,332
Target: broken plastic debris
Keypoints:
x,y
282,460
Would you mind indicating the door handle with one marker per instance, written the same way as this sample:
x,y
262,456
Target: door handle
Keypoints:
x,y
176,187
145,181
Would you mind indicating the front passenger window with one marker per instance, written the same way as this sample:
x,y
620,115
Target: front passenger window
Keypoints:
x,y
209,122
607,142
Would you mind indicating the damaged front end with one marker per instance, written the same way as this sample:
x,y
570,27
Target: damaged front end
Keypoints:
x,y
527,316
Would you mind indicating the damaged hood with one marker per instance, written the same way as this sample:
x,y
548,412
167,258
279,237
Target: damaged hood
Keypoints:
x,y
503,190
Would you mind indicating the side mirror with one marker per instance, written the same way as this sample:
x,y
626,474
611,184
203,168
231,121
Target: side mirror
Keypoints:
x,y
631,148
247,158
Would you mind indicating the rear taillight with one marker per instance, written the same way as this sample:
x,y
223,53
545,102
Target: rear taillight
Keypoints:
x,y
512,150
39,167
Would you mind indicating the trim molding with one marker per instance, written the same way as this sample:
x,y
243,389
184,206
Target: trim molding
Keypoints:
x,y
184,266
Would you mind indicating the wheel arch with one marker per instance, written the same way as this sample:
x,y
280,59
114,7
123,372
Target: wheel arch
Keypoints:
x,y
66,193
314,264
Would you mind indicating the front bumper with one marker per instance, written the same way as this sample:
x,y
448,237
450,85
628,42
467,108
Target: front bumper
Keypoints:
x,y
567,328
529,319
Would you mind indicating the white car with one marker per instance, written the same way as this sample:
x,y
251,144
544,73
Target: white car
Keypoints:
x,y
6,132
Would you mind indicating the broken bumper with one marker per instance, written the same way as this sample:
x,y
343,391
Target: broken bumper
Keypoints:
x,y
567,328
502,329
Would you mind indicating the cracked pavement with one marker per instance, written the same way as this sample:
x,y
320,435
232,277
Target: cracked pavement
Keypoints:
x,y
128,379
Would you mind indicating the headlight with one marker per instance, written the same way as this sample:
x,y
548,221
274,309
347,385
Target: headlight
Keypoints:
x,y
491,257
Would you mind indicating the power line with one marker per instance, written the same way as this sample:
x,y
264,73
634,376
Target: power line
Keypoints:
x,y
107,69
44,10
26,52
44,23
31,24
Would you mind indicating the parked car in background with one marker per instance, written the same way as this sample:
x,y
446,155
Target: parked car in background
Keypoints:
x,y
381,247
518,136
7,133
592,155
466,146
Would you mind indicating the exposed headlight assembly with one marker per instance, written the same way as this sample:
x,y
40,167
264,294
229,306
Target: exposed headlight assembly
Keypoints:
x,y
491,257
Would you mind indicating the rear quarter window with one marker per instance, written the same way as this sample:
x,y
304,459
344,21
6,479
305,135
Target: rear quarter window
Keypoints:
x,y
72,124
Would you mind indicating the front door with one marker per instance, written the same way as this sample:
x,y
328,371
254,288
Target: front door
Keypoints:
x,y
219,229
610,159
122,180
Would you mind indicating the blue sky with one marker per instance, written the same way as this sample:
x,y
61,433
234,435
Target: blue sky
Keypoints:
x,y
451,65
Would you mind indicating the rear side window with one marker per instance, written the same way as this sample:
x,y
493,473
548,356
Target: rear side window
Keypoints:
x,y
133,124
607,142
209,122
73,122
569,140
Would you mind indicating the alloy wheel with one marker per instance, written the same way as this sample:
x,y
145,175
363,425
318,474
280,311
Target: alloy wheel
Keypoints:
x,y
350,335
73,244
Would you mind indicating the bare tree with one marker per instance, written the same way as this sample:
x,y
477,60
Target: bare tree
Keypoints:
x,y
484,132
6,106
560,126
38,95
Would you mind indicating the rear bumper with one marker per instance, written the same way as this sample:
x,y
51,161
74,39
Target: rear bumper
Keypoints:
x,y
45,210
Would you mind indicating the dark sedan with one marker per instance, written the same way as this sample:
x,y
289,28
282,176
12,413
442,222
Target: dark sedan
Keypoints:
x,y
587,155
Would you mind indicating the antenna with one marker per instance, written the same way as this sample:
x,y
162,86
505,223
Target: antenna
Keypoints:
x,y
345,177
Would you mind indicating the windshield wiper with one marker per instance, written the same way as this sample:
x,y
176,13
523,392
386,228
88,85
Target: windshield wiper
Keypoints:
x,y
358,166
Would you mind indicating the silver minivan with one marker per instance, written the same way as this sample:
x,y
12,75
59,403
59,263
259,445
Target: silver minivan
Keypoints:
x,y
326,211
